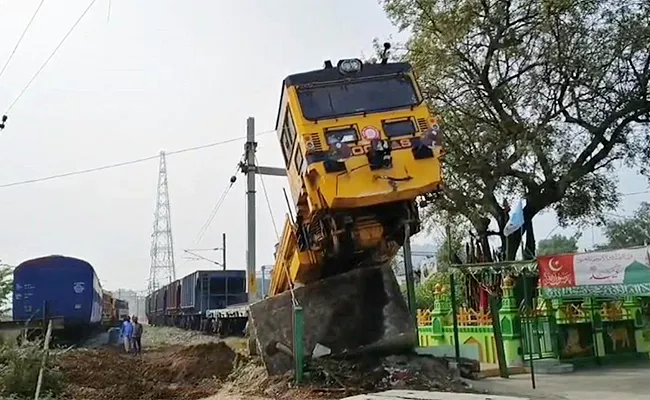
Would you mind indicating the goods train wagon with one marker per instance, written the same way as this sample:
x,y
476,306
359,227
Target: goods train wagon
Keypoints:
x,y
183,303
121,308
63,288
113,310
109,313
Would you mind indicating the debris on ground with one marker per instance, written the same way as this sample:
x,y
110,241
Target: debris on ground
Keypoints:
x,y
182,365
361,374
338,378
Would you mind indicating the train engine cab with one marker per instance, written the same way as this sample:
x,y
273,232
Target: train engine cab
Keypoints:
x,y
360,146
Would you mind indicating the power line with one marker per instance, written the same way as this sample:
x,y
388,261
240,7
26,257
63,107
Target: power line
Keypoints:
x,y
20,39
125,163
635,193
215,209
79,172
51,55
268,203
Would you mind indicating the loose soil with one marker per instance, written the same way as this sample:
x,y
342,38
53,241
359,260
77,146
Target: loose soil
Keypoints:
x,y
184,373
179,365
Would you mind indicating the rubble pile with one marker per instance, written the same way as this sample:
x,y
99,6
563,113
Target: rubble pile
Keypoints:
x,y
355,375
338,378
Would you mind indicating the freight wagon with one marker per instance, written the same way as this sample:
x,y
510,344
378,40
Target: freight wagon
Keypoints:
x,y
185,302
121,308
64,289
113,310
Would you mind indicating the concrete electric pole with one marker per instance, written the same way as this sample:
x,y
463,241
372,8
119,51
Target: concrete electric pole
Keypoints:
x,y
250,169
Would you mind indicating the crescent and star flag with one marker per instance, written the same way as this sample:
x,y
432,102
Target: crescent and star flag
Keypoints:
x,y
624,272
516,220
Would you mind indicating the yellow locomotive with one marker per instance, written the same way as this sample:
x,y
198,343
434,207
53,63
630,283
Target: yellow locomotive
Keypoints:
x,y
360,147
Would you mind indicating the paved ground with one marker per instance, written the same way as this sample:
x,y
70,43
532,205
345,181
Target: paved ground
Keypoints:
x,y
629,382
420,395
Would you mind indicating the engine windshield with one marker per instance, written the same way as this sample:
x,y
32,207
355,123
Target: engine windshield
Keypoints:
x,y
366,96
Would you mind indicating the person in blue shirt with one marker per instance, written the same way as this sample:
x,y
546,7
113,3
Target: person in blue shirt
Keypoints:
x,y
126,333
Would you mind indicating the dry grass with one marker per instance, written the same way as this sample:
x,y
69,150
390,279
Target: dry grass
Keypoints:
x,y
19,368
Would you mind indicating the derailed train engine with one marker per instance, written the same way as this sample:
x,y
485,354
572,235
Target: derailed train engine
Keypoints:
x,y
362,151
361,147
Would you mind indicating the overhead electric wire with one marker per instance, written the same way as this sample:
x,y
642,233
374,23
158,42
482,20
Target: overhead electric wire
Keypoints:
x,y
50,57
20,39
215,209
268,203
125,163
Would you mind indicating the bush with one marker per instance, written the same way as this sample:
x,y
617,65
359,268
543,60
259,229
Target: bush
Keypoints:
x,y
19,367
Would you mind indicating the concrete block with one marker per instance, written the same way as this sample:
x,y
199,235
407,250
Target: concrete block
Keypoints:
x,y
356,312
470,350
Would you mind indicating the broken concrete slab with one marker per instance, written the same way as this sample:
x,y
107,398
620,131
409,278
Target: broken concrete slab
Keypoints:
x,y
357,312
423,395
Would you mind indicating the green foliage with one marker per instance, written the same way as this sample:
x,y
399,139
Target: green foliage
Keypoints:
x,y
535,101
630,232
441,226
424,292
6,287
558,244
19,367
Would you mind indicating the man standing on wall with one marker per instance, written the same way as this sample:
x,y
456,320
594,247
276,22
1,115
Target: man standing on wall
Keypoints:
x,y
137,335
126,333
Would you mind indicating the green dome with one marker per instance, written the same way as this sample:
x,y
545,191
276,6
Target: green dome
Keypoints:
x,y
636,273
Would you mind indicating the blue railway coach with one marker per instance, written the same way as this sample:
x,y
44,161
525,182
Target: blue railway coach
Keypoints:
x,y
57,287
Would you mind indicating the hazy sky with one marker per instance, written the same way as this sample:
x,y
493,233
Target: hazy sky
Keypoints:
x,y
159,75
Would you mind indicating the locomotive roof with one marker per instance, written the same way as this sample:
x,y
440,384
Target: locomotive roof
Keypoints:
x,y
333,73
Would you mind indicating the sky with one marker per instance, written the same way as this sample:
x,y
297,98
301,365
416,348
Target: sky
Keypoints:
x,y
161,75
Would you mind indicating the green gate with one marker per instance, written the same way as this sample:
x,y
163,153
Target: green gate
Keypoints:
x,y
537,327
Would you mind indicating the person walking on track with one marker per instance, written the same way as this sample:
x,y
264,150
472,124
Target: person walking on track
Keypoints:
x,y
126,333
137,335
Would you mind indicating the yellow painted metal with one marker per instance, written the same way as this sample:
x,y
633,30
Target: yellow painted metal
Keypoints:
x,y
359,190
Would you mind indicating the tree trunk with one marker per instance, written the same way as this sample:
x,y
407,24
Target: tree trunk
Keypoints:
x,y
512,244
530,248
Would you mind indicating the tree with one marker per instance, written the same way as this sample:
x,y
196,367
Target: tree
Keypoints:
x,y
629,232
536,99
558,244
6,286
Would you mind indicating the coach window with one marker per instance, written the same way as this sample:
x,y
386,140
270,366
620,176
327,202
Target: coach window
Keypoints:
x,y
288,136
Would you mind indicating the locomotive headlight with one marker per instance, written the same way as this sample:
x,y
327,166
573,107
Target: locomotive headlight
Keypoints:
x,y
341,152
349,66
432,137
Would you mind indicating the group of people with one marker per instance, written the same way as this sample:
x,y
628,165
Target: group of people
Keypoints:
x,y
131,333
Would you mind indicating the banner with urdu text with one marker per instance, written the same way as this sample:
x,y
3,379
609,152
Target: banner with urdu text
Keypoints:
x,y
615,273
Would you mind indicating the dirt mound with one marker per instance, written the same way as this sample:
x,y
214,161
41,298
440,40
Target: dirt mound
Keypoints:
x,y
180,364
177,372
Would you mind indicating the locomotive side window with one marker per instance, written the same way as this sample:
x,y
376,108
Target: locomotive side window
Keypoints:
x,y
299,160
288,137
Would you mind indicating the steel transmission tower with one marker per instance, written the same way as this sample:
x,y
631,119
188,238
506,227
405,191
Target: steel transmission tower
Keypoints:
x,y
162,270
